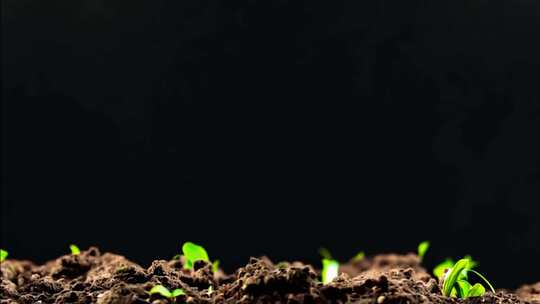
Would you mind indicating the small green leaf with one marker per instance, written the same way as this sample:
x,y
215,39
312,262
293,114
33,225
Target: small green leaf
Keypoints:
x,y
483,278
476,291
210,290
438,271
215,266
359,256
330,270
193,252
325,253
74,249
3,255
463,288
452,275
472,263
177,292
162,290
422,248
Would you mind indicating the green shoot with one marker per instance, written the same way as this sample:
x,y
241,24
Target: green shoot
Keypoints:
x,y
163,291
325,253
422,248
210,290
330,270
455,281
3,255
193,252
438,271
359,256
74,249
215,266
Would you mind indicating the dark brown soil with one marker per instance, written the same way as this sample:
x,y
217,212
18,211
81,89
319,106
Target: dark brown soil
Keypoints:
x,y
92,277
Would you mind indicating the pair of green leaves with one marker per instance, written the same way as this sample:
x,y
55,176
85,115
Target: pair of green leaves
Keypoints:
x,y
165,292
193,252
456,281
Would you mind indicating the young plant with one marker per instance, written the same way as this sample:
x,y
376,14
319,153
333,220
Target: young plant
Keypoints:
x,y
422,248
456,281
359,256
3,255
74,249
193,252
165,292
438,271
330,269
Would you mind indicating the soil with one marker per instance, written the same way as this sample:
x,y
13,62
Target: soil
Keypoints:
x,y
92,277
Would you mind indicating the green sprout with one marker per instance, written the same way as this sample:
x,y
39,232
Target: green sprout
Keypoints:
x,y
3,255
359,256
456,281
215,266
74,249
422,248
163,291
193,252
330,268
438,271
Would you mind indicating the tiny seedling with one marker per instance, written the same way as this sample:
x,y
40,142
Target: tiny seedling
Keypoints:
x,y
422,249
330,268
438,271
165,292
193,252
215,266
329,271
456,281
74,249
359,256
3,255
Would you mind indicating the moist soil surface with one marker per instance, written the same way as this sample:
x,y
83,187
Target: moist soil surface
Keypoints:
x,y
92,277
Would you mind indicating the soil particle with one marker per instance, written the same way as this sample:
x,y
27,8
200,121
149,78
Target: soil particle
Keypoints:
x,y
530,293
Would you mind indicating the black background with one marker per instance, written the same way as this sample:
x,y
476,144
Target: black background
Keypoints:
x,y
273,127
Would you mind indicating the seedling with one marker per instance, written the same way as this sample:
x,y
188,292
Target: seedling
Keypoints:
x,y
3,255
165,292
193,252
422,248
359,256
456,281
438,271
215,266
74,249
330,268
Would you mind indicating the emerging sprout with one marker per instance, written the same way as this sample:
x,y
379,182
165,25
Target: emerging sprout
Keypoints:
x,y
422,248
438,271
215,266
325,253
164,292
330,270
193,252
456,281
74,249
359,256
3,255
